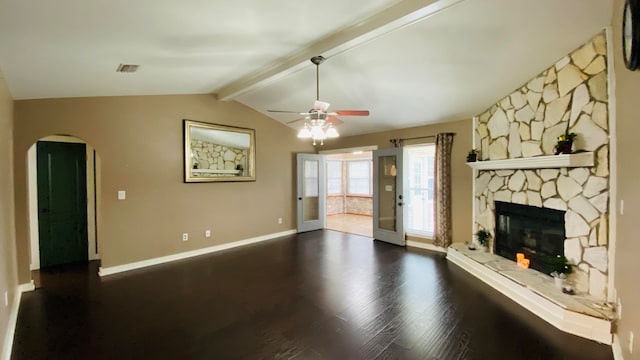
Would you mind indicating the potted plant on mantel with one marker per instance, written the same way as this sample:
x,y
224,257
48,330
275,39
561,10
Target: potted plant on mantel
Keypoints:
x,y
483,237
472,156
560,268
565,143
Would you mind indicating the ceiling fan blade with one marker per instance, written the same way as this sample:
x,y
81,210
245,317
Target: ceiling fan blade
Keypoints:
x,y
352,112
296,120
319,111
334,120
288,112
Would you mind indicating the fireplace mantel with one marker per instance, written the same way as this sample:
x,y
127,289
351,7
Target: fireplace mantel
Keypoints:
x,y
583,159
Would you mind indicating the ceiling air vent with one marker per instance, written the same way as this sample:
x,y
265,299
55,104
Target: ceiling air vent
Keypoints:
x,y
127,68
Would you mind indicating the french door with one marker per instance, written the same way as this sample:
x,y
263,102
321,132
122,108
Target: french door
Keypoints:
x,y
388,197
311,192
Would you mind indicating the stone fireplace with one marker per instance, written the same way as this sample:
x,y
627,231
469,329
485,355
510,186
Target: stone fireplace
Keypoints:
x,y
516,138
519,171
537,232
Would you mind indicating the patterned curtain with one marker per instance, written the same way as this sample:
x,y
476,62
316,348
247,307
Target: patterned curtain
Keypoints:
x,y
444,143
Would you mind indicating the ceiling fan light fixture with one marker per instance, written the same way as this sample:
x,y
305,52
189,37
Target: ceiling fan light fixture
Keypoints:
x,y
318,133
332,132
304,133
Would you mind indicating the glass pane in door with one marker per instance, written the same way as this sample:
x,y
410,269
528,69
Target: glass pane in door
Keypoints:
x,y
311,185
387,192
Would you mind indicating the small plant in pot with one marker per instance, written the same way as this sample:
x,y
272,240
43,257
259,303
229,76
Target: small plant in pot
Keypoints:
x,y
560,268
483,237
472,156
565,143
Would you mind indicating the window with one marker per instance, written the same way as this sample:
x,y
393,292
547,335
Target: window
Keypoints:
x,y
334,177
420,199
359,177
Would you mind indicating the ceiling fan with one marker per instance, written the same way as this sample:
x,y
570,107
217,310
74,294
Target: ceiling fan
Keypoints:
x,y
318,118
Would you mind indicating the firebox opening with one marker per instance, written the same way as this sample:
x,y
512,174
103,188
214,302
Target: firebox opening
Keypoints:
x,y
536,232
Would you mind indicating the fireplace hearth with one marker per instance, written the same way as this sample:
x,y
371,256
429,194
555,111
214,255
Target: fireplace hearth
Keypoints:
x,y
537,232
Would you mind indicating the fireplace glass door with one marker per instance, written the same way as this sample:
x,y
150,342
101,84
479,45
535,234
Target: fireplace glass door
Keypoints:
x,y
536,232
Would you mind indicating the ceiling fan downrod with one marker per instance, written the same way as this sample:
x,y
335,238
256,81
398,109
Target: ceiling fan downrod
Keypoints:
x,y
317,60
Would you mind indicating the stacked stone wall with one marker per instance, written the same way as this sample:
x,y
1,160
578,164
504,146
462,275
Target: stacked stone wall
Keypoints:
x,y
217,157
571,96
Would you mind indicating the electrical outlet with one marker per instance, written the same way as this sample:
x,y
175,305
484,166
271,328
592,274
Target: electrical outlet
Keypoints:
x,y
185,236
630,342
280,221
207,233
6,298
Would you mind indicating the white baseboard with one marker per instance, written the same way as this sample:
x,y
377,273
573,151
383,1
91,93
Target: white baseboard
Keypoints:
x,y
11,325
105,271
30,286
616,347
425,246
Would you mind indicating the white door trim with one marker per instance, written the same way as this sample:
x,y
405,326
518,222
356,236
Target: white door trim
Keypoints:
x,y
348,150
396,237
32,195
321,221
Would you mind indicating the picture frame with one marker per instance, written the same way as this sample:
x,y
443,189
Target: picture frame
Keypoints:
x,y
218,153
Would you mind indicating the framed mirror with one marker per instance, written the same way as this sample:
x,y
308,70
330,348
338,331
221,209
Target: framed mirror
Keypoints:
x,y
214,152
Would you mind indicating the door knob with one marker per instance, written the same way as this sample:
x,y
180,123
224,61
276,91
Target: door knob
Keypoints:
x,y
299,198
400,203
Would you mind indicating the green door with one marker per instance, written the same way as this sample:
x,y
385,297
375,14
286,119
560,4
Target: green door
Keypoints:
x,y
62,202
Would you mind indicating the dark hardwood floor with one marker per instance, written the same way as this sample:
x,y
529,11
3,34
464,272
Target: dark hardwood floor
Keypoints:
x,y
317,295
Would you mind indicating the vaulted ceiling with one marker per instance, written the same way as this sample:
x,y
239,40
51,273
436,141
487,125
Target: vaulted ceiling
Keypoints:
x,y
409,62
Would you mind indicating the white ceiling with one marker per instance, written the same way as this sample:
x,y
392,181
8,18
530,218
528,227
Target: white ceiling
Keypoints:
x,y
409,62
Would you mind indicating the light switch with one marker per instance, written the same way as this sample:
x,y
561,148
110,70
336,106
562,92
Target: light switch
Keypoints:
x,y
122,194
388,188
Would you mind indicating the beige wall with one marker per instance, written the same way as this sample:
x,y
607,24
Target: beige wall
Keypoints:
x,y
627,266
139,141
8,278
461,173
